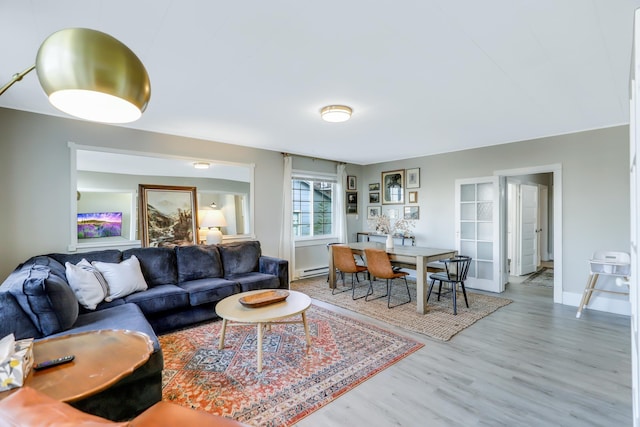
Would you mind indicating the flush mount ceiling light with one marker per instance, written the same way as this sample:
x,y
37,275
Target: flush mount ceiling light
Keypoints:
x,y
201,165
90,75
336,113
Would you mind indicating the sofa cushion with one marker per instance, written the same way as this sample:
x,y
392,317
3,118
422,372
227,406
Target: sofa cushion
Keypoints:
x,y
255,280
203,291
107,255
198,262
158,265
124,316
14,320
87,283
123,278
240,257
159,298
45,297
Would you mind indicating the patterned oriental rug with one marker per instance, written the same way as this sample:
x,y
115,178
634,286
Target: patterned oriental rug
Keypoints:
x,y
294,381
439,322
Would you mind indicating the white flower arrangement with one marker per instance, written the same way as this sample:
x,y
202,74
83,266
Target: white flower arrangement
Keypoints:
x,y
382,224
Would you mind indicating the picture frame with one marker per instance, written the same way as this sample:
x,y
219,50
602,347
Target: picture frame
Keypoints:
x,y
167,215
374,186
412,212
373,211
374,197
393,187
413,178
352,202
352,182
413,197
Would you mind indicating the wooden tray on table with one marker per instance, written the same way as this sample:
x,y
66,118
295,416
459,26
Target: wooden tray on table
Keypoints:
x,y
260,299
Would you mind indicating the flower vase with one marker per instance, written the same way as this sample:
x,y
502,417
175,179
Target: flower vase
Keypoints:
x,y
389,241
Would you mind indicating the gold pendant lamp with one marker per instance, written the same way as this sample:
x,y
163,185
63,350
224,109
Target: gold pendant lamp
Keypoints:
x,y
91,75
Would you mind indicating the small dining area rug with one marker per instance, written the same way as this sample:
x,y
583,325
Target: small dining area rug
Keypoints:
x,y
439,322
542,277
295,380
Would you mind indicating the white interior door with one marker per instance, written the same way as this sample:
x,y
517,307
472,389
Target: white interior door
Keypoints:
x,y
543,223
477,231
528,247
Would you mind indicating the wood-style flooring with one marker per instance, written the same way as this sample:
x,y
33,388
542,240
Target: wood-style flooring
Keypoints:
x,y
531,363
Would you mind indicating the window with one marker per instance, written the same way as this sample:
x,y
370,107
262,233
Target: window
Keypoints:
x,y
313,208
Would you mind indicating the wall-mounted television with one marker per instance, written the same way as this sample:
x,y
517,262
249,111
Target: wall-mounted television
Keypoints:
x,y
99,224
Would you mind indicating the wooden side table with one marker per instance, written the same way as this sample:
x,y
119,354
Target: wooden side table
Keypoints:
x,y
102,358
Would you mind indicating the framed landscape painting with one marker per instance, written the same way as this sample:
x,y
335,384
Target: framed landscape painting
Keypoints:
x,y
167,215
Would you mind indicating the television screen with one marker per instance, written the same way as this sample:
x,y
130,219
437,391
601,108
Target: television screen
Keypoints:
x,y
99,224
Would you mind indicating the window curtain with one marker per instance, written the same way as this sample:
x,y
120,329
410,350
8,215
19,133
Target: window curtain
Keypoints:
x,y
287,248
341,209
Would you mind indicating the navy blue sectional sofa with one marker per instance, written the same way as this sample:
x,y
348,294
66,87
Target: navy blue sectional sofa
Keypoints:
x,y
184,285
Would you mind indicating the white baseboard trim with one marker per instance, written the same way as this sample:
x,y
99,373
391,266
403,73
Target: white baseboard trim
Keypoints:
x,y
599,302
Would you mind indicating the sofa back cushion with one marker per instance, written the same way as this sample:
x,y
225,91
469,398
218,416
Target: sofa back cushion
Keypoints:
x,y
240,257
41,289
158,265
198,262
107,255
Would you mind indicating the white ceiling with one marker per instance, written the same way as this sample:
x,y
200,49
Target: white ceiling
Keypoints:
x,y
423,76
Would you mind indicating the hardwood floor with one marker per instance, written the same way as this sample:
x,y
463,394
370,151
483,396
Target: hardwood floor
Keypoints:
x,y
531,363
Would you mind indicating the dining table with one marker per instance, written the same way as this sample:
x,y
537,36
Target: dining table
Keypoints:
x,y
410,257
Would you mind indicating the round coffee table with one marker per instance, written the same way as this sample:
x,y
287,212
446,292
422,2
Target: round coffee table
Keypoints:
x,y
230,309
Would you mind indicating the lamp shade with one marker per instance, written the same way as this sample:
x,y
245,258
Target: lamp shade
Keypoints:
x,y
213,218
93,76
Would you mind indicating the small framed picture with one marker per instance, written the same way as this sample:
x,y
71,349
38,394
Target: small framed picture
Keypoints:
x,y
374,187
412,212
413,178
373,211
351,183
352,202
413,197
374,197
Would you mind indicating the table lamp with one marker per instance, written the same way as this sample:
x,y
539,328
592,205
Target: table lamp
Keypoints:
x,y
210,220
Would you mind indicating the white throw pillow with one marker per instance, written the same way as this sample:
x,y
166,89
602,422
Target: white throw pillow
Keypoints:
x,y
88,285
123,279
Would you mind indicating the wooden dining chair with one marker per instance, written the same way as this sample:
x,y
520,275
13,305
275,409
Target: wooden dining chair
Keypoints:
x,y
456,269
380,266
344,262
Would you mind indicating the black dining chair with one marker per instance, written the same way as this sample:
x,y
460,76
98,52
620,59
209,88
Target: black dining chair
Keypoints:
x,y
456,269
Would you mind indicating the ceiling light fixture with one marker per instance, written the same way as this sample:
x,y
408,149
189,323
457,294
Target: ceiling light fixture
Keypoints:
x,y
201,165
90,75
336,113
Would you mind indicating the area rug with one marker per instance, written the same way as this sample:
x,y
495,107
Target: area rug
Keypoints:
x,y
542,277
439,322
295,380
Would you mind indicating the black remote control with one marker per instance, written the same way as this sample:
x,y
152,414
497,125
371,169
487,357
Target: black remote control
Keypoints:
x,y
54,362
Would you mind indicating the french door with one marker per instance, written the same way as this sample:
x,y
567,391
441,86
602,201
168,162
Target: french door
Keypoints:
x,y
478,224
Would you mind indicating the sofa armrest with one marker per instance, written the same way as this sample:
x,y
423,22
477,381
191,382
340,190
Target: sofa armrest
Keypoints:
x,y
276,266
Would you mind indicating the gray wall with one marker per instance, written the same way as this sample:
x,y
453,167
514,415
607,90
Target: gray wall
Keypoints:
x,y
35,178
34,172
595,172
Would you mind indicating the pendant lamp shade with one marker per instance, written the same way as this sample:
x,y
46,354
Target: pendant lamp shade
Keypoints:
x,y
93,76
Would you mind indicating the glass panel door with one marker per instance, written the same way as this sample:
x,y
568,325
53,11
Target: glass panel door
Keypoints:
x,y
477,231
